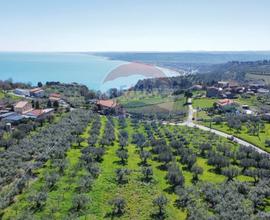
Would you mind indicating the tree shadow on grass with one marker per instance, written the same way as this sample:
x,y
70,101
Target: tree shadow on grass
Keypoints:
x,y
112,215
163,167
215,171
143,164
170,189
185,168
119,162
37,209
158,216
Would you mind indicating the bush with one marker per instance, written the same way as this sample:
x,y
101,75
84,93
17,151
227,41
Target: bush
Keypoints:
x,y
147,173
123,155
38,200
161,202
144,155
267,143
175,176
80,202
231,172
196,170
121,175
118,205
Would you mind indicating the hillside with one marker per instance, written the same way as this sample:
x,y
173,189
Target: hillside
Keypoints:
x,y
238,71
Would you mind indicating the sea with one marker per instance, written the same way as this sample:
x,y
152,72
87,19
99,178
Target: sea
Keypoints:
x,y
94,69
87,69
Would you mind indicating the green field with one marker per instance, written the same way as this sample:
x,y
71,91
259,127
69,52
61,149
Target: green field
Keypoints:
x,y
265,77
153,103
253,103
11,97
243,134
2,95
203,102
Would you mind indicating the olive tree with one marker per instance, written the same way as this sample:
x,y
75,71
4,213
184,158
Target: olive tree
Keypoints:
x,y
118,206
147,173
80,202
161,202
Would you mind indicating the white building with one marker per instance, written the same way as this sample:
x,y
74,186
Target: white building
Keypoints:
x,y
23,92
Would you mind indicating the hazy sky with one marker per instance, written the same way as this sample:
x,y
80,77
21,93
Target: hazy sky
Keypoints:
x,y
134,25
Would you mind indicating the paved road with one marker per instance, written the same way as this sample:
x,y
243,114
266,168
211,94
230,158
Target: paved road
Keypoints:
x,y
189,122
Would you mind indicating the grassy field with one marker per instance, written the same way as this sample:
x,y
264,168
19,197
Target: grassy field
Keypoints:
x,y
4,95
243,134
203,102
208,102
151,103
265,77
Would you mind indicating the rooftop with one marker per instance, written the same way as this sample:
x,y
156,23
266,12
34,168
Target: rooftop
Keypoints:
x,y
38,112
14,117
224,102
36,90
21,104
55,95
107,103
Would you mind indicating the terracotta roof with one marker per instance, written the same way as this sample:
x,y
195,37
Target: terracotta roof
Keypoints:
x,y
224,102
21,104
107,103
39,112
55,95
36,90
36,112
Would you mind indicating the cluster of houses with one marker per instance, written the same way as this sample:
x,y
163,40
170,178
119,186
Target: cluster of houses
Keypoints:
x,y
227,91
24,109
40,93
230,90
36,92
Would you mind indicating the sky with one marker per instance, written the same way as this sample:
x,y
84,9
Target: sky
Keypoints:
x,y
134,25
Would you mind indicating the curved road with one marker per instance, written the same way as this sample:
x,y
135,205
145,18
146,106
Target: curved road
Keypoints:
x,y
189,122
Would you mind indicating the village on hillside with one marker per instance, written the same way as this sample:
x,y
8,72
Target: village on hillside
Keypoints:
x,y
233,96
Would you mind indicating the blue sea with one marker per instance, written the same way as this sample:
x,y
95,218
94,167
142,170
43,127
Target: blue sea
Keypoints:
x,y
82,68
64,67
91,70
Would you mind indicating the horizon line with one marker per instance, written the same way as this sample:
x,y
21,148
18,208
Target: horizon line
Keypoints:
x,y
137,51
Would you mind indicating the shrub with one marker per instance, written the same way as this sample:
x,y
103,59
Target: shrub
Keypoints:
x,y
161,202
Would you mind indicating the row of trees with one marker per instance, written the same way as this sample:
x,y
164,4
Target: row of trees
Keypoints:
x,y
51,142
122,174
90,158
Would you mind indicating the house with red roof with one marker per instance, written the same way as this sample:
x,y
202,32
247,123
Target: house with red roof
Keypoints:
x,y
224,102
110,103
37,92
40,113
109,106
55,97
